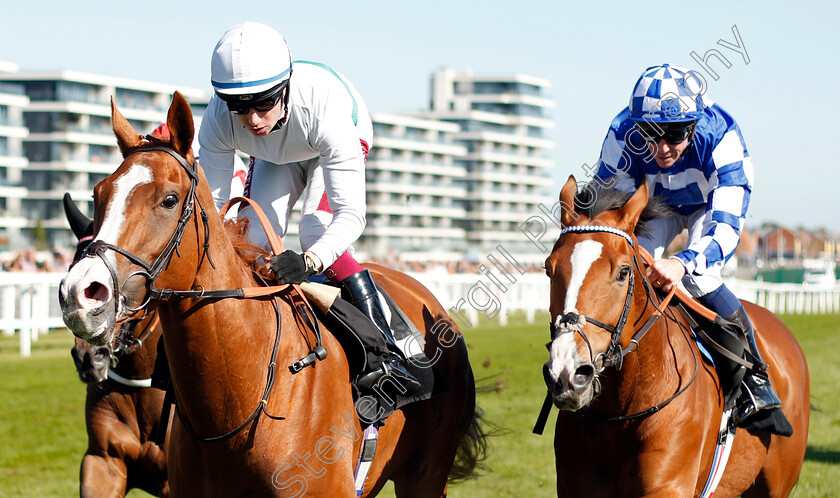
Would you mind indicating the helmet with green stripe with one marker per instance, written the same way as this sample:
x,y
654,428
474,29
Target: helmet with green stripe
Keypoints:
x,y
251,63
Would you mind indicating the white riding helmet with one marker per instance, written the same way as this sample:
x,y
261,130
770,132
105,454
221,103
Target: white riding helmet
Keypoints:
x,y
250,62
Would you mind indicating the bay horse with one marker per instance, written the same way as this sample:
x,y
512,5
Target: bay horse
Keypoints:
x,y
649,425
122,414
122,411
246,425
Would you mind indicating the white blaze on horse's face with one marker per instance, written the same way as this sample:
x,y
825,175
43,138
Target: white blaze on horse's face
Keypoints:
x,y
87,288
114,221
584,254
564,359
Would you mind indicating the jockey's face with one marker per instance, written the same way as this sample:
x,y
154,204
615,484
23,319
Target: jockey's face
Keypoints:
x,y
260,123
665,154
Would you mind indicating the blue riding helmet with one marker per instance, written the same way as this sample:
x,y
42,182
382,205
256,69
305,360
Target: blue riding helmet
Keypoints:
x,y
668,94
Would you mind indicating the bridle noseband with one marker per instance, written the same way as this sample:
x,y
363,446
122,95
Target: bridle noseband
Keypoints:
x,y
614,354
150,272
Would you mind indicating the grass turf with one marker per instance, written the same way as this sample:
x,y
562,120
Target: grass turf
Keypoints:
x,y
43,434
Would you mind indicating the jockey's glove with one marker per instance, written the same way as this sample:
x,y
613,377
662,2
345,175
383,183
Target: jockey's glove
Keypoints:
x,y
292,268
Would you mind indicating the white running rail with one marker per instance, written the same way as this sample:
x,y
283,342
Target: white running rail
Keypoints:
x,y
29,301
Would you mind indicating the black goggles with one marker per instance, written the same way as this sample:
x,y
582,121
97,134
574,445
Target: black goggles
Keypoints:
x,y
266,101
672,133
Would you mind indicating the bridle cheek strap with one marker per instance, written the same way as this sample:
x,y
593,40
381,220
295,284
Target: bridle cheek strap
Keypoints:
x,y
151,271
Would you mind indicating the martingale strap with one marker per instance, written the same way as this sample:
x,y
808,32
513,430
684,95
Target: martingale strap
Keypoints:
x,y
614,354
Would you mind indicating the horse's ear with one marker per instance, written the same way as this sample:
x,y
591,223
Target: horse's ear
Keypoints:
x,y
81,225
127,138
633,208
567,202
180,122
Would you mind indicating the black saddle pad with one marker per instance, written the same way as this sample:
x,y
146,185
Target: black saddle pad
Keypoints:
x,y
344,320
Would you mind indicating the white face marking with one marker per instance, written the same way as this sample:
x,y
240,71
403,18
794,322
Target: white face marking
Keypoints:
x,y
92,273
564,357
114,220
584,254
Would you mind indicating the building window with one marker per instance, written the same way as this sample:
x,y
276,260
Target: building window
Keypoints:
x,y
135,99
38,151
77,92
40,90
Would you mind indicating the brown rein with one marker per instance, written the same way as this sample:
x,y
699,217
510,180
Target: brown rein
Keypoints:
x,y
616,358
303,307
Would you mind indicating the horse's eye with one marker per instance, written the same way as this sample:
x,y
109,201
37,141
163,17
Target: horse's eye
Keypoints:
x,y
170,201
623,273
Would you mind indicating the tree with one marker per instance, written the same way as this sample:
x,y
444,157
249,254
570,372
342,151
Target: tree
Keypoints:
x,y
39,236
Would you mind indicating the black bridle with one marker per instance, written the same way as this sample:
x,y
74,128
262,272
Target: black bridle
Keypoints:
x,y
150,272
126,342
614,355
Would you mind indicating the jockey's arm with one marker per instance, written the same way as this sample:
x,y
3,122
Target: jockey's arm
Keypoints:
x,y
217,156
342,161
731,173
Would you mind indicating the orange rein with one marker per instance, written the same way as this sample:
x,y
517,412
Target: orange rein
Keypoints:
x,y
276,248
681,294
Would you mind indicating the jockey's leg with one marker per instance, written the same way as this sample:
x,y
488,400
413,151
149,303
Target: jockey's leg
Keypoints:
x,y
356,284
709,289
359,290
756,392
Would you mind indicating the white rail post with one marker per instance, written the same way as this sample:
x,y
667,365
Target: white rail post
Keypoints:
x,y
7,313
25,322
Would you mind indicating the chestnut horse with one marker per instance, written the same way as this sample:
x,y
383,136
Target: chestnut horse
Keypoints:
x,y
246,425
121,412
649,426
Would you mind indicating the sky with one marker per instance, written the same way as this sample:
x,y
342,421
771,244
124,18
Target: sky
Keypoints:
x,y
780,86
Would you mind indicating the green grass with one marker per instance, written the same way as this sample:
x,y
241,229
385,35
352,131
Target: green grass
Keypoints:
x,y
42,426
43,435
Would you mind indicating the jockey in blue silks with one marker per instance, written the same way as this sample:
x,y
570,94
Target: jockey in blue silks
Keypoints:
x,y
690,152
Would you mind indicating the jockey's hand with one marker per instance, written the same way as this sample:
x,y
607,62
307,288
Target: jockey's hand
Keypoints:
x,y
665,273
292,268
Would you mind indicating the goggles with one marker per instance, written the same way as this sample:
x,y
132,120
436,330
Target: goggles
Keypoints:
x,y
673,133
261,102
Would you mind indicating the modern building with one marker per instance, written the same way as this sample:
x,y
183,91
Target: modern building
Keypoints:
x,y
449,184
503,121
414,193
70,145
13,101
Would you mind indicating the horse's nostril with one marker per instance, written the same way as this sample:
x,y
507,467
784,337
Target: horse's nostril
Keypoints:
x,y
96,291
583,376
549,380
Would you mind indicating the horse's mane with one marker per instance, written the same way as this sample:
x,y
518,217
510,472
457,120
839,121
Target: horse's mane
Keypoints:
x,y
237,231
607,199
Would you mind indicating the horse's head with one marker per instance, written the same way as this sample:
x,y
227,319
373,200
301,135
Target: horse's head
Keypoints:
x,y
92,362
592,276
141,213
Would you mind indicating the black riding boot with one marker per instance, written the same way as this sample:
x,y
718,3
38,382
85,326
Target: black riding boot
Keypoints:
x,y
757,393
360,291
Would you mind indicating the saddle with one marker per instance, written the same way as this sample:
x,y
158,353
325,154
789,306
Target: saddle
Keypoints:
x,y
725,354
347,324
